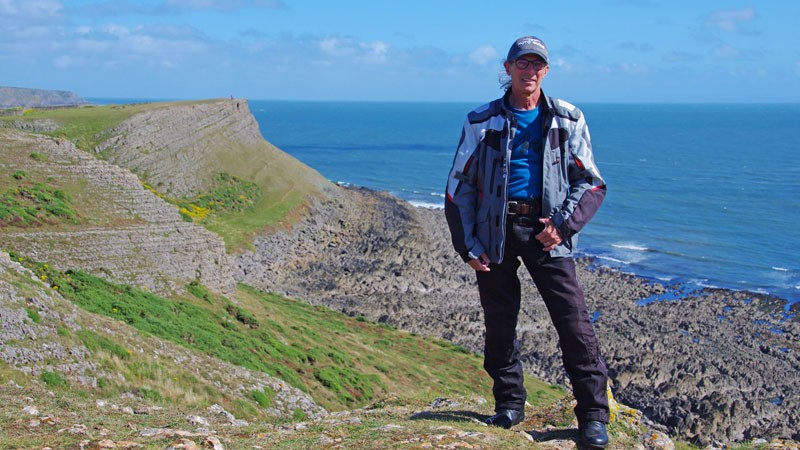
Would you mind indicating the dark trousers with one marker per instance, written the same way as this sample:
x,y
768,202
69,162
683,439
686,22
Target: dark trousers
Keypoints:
x,y
557,282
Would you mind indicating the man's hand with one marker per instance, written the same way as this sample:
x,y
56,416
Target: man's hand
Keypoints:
x,y
480,264
549,237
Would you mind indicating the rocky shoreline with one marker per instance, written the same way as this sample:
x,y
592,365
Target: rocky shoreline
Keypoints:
x,y
713,365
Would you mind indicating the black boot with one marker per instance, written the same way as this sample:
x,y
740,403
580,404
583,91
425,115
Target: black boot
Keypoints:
x,y
593,434
506,418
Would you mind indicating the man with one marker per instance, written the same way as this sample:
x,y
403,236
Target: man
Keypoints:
x,y
523,184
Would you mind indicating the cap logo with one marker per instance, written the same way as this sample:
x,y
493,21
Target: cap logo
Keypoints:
x,y
525,42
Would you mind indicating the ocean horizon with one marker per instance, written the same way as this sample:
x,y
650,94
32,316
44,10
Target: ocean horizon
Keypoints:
x,y
699,195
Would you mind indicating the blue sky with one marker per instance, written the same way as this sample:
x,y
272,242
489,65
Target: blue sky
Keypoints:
x,y
429,50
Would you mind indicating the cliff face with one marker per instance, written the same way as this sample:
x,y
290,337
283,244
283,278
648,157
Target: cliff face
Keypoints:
x,y
124,232
179,148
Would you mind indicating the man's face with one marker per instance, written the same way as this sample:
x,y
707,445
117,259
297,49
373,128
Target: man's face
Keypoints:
x,y
527,73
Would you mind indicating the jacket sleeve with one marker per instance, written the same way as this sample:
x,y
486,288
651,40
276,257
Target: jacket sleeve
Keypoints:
x,y
461,197
587,189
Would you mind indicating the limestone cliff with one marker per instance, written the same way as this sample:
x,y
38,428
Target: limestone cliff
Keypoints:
x,y
128,233
124,232
178,148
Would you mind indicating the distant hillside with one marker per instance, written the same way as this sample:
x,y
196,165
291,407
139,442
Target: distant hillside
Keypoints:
x,y
11,97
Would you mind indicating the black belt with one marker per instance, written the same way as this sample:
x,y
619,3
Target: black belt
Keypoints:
x,y
523,208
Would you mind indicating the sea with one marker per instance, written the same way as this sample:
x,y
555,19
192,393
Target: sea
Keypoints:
x,y
699,195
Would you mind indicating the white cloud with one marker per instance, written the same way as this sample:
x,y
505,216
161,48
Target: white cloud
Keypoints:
x,y
725,51
18,14
336,47
678,56
731,20
636,46
636,69
348,50
562,64
222,5
375,51
64,62
30,8
122,7
484,55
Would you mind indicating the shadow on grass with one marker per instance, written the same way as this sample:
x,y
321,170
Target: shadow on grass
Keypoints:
x,y
450,416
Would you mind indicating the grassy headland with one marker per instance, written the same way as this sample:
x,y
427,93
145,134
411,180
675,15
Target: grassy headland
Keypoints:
x,y
343,363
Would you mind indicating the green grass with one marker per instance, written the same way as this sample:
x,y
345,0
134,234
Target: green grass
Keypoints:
x,y
228,194
238,228
33,315
263,397
332,357
53,379
85,126
30,205
95,342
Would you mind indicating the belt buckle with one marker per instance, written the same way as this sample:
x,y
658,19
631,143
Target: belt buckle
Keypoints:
x,y
512,204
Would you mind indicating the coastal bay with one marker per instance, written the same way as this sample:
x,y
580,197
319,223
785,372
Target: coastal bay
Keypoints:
x,y
686,194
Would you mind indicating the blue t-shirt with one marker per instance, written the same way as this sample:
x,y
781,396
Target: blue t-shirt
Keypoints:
x,y
525,177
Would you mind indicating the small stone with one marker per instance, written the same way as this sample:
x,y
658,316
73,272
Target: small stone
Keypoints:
x,y
183,444
213,442
77,428
392,427
657,440
197,421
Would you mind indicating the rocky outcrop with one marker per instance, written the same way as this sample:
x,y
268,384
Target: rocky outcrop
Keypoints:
x,y
36,125
124,232
22,297
713,365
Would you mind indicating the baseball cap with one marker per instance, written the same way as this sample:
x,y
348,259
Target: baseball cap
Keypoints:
x,y
527,45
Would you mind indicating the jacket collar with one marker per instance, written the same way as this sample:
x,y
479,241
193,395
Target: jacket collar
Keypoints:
x,y
545,103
